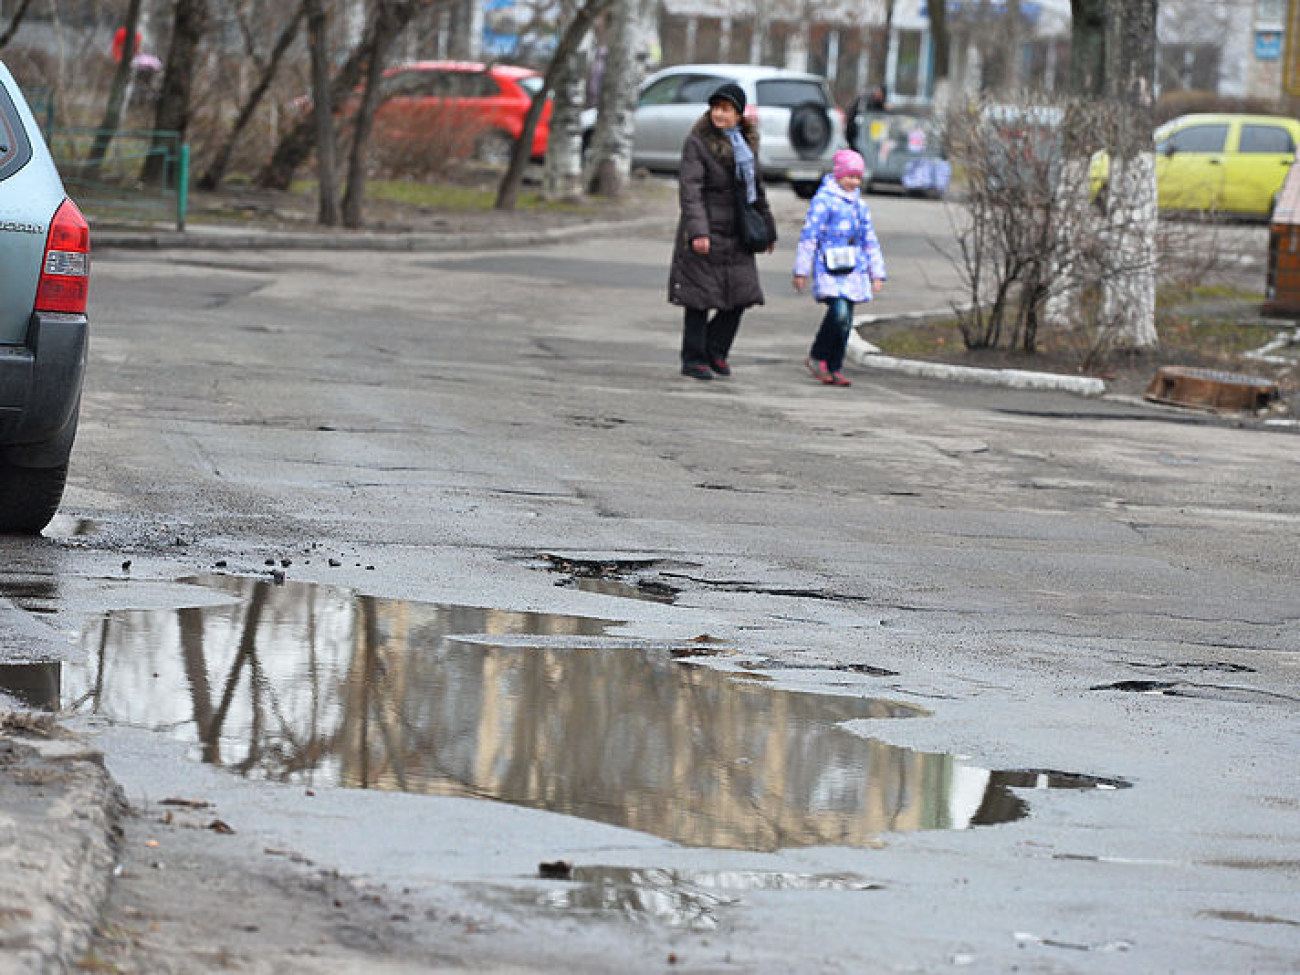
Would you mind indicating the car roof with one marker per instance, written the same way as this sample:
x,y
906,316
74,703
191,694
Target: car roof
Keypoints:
x,y
741,72
507,70
1230,117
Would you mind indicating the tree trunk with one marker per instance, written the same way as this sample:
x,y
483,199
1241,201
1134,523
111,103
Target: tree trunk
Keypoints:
x,y
570,41
562,171
388,24
189,24
1088,48
112,119
879,68
297,144
1129,302
216,172
609,166
322,113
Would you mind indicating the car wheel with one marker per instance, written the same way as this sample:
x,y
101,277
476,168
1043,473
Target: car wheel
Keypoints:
x,y
29,496
494,147
810,129
804,189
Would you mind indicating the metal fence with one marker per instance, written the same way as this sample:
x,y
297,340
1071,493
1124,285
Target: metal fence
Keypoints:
x,y
124,176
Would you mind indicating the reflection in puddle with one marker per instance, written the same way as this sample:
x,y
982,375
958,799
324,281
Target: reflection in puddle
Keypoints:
x,y
318,685
679,898
648,592
34,685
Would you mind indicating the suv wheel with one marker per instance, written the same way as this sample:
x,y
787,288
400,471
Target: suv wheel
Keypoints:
x,y
810,129
805,189
29,496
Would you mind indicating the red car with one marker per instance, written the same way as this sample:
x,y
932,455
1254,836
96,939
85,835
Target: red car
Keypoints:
x,y
478,108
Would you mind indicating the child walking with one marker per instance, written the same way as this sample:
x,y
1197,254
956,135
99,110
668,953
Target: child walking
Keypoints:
x,y
839,250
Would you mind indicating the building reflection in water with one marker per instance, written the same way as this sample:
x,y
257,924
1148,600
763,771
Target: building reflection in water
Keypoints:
x,y
318,685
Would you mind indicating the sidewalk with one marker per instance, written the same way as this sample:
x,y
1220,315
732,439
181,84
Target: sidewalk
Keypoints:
x,y
59,811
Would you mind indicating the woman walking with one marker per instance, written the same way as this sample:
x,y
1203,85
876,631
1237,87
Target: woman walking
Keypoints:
x,y
711,270
839,249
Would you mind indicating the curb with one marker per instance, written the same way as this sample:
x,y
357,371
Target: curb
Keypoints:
x,y
57,849
224,238
864,354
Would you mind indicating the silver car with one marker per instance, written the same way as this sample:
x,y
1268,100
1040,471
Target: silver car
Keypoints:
x,y
800,128
44,281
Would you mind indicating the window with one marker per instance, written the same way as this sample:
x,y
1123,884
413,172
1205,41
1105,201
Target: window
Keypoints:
x,y
662,92
791,93
15,149
698,88
1266,138
1196,138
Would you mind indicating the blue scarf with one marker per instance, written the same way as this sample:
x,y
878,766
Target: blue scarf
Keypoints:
x,y
744,160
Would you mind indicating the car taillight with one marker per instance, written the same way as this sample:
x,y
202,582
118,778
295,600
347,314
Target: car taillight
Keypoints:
x,y
65,272
839,114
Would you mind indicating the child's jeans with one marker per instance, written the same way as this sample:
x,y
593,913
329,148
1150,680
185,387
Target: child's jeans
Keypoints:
x,y
833,336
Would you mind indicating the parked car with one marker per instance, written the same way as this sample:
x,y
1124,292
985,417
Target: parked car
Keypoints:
x,y
902,150
44,283
1231,164
800,128
482,104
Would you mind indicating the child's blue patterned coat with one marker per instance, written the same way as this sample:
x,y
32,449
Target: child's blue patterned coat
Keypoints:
x,y
836,218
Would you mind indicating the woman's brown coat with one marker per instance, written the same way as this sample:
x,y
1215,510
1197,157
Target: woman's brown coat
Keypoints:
x,y
727,276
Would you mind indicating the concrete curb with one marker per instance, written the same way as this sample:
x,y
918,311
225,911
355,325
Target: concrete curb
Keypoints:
x,y
864,354
226,238
59,812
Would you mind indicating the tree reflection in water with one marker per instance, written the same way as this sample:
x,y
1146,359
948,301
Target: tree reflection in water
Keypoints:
x,y
318,685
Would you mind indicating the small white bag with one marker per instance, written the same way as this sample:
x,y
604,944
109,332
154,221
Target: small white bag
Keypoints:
x,y
841,260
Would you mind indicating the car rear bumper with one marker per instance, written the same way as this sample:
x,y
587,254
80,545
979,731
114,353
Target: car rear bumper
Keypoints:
x,y
40,389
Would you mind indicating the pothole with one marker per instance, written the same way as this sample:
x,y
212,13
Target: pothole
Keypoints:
x,y
320,686
677,898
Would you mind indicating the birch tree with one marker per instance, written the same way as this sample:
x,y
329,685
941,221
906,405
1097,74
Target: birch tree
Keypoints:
x,y
1129,302
562,169
609,163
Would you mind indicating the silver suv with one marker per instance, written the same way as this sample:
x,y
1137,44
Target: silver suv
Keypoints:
x,y
44,281
800,128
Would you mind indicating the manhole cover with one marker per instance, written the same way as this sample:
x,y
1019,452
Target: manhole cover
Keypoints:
x,y
1211,389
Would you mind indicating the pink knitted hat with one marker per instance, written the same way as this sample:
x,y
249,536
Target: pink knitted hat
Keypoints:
x,y
849,163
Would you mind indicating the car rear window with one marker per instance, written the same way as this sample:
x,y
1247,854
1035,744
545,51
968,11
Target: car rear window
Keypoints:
x,y
1265,138
15,148
791,93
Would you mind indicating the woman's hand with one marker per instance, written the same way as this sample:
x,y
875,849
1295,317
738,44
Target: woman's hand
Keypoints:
x,y
700,245
800,282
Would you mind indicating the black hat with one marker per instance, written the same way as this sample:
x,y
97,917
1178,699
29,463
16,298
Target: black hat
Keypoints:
x,y
730,92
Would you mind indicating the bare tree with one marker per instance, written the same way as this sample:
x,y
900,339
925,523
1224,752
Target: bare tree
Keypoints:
x,y
389,21
116,94
189,24
296,146
216,170
570,40
15,21
322,113
609,166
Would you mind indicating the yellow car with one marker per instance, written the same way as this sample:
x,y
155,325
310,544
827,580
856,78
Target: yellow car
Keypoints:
x,y
1221,163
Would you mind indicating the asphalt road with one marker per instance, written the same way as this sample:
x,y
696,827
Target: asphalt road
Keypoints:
x,y
1086,586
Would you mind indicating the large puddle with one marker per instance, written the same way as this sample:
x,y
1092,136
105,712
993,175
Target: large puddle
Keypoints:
x,y
321,686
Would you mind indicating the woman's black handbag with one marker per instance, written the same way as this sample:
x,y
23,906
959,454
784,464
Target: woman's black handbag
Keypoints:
x,y
751,228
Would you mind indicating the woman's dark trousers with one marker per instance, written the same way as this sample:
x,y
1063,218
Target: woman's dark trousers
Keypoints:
x,y
705,340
